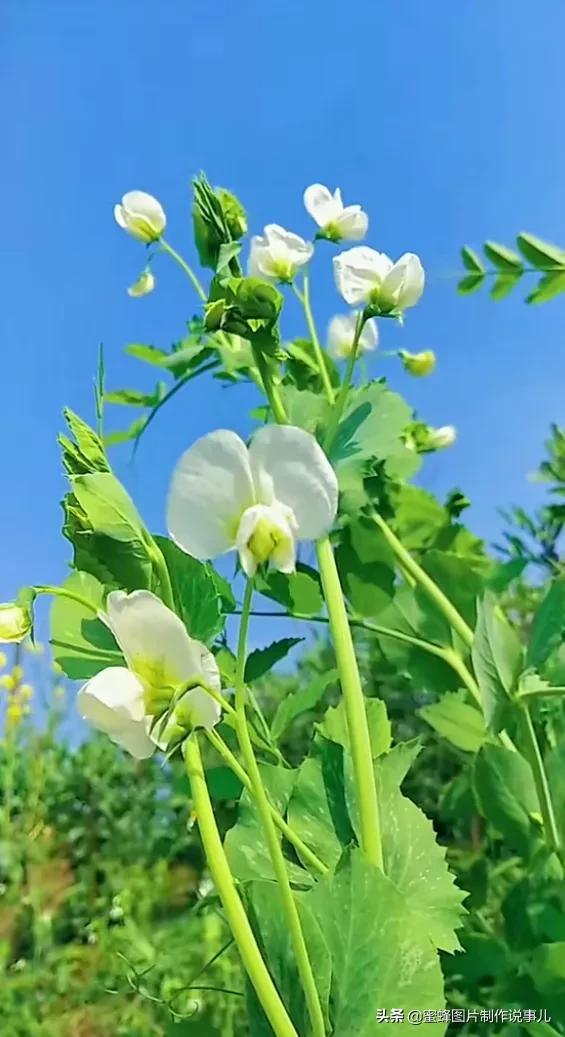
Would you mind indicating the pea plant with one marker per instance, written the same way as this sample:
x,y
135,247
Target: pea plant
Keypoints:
x,y
338,895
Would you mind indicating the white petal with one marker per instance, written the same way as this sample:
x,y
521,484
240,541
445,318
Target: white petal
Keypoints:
x,y
140,203
210,489
112,699
136,741
322,205
119,216
300,474
154,640
258,264
369,338
353,223
341,331
358,271
286,246
278,519
205,711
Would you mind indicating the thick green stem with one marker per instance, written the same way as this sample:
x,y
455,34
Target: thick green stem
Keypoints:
x,y
532,752
354,702
275,851
184,266
454,618
304,297
233,763
223,880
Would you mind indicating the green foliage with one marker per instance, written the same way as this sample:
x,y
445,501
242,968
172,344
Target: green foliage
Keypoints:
x,y
509,268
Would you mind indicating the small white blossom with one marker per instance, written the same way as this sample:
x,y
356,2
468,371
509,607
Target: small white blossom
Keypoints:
x,y
278,254
143,286
258,501
442,437
122,701
363,275
141,215
337,222
341,335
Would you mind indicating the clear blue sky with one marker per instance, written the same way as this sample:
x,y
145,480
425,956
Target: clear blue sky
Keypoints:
x,y
444,119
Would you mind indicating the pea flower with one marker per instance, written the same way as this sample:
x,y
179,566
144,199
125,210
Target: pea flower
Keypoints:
x,y
418,364
337,222
258,501
143,286
123,701
442,437
141,215
341,335
15,623
278,255
363,275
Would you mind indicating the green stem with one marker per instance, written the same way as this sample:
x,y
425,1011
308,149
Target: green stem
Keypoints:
x,y
158,559
341,400
541,693
304,298
354,702
533,755
223,880
184,266
264,810
62,592
233,763
271,390
454,618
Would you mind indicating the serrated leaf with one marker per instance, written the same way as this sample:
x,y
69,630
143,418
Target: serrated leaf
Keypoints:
x,y
82,644
497,660
506,794
454,719
548,626
371,932
502,257
300,702
317,810
469,284
262,660
471,260
541,254
195,591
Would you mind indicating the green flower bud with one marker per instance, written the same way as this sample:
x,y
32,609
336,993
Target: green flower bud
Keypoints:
x,y
236,217
418,364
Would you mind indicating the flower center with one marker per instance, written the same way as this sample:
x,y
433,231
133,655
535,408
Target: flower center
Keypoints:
x,y
265,534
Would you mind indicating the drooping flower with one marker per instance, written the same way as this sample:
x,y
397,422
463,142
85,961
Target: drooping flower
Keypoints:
x,y
442,437
278,254
337,222
161,658
141,215
258,501
143,286
363,275
15,623
418,364
341,335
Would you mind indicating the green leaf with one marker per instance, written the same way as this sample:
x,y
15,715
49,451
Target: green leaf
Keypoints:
x,y
300,592
245,843
503,285
458,579
195,591
223,784
372,933
372,424
135,398
506,795
107,507
555,769
505,573
540,254
150,354
334,726
548,288
502,257
497,660
262,660
471,260
82,644
85,452
469,284
366,567
548,625
308,410
454,719
300,702
317,810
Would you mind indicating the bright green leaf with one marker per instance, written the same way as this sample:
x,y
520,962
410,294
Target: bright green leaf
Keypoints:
x,y
300,702
454,719
262,660
497,660
502,257
471,260
82,644
506,794
195,591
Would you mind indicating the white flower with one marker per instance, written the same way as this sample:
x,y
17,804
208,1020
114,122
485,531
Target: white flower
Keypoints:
x,y
141,215
15,623
278,254
363,275
336,221
122,701
143,286
259,501
442,437
341,333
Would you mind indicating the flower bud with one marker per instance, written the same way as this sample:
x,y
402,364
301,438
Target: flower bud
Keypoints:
x,y
143,286
418,364
141,215
442,437
15,623
235,215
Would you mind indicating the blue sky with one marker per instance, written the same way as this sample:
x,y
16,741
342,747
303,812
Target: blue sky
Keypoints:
x,y
444,120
